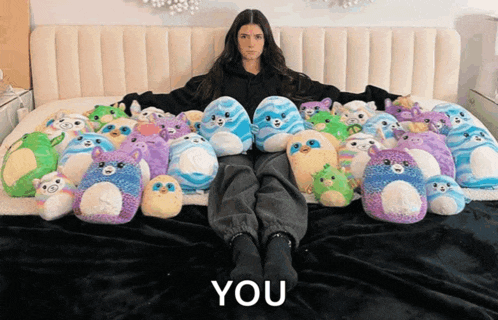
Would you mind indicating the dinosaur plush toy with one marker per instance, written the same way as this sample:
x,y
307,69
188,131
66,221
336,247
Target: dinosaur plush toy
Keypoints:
x,y
331,187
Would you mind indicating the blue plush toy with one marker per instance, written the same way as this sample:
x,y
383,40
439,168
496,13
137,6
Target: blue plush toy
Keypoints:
x,y
382,127
444,195
476,156
227,126
275,120
458,115
193,162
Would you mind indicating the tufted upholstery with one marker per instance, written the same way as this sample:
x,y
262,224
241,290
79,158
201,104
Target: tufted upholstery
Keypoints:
x,y
88,61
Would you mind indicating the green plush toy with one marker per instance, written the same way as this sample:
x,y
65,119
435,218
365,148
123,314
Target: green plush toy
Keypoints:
x,y
101,115
30,157
331,187
324,121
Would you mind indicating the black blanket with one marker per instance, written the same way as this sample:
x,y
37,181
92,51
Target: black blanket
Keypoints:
x,y
350,267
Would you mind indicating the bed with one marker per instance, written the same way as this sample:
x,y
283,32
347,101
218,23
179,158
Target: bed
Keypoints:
x,y
350,266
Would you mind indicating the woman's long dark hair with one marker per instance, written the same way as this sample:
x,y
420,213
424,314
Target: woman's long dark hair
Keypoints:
x,y
294,84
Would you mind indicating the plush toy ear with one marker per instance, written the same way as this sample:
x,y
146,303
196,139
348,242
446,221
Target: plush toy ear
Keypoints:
x,y
398,133
97,151
36,183
373,150
55,141
417,106
416,111
136,155
135,107
164,134
182,117
336,108
327,102
388,103
372,106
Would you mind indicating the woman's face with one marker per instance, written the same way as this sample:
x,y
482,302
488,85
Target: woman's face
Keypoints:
x,y
251,41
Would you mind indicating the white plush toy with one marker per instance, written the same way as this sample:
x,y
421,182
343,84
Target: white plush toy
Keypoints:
x,y
54,195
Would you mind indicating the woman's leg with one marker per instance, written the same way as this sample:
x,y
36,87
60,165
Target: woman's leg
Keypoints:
x,y
231,215
284,215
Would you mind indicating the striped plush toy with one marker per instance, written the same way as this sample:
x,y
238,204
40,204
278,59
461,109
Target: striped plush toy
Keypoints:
x,y
54,195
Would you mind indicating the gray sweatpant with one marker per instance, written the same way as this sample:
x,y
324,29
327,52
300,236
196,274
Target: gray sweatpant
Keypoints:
x,y
257,194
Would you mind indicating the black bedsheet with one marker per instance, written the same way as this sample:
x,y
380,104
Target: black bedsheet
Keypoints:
x,y
350,267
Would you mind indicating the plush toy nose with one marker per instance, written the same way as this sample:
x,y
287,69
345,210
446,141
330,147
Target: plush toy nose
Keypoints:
x,y
163,190
115,133
305,149
328,183
320,126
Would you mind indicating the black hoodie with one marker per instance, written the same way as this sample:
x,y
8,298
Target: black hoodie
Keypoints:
x,y
249,90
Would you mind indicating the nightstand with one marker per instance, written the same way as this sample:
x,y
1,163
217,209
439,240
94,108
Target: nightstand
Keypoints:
x,y
485,109
9,104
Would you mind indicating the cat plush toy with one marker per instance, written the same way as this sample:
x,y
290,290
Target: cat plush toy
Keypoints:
x,y
101,115
435,121
382,127
145,115
355,112
309,109
153,143
445,196
111,189
323,121
429,150
72,124
162,197
331,187
393,188
227,126
30,157
401,112
193,163
458,115
275,120
353,156
308,151
117,130
54,195
77,156
176,126
476,156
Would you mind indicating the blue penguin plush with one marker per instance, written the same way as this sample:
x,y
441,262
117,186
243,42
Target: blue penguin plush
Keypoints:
x,y
275,120
192,162
444,195
227,126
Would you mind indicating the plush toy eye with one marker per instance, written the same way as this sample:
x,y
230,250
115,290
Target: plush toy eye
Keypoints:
x,y
125,130
213,117
163,126
462,114
361,116
268,118
80,138
332,178
95,117
371,142
321,179
434,185
448,184
112,112
159,115
101,164
177,126
427,120
384,123
145,113
327,120
313,143
133,139
77,123
58,181
399,110
44,187
316,108
405,163
202,139
98,140
283,115
170,186
227,114
353,144
295,148
156,186
443,121
61,120
387,162
120,165
466,135
405,137
482,134
186,138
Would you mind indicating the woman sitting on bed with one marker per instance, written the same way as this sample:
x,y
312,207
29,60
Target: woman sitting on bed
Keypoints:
x,y
254,203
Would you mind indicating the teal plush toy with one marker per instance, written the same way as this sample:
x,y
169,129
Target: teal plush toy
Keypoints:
x,y
30,157
331,187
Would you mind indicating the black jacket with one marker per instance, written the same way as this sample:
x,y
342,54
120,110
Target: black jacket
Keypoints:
x,y
249,90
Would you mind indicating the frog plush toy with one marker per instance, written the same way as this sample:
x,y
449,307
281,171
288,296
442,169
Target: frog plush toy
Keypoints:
x,y
323,121
101,115
331,187
30,157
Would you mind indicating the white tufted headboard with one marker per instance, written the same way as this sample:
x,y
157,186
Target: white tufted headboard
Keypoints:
x,y
92,61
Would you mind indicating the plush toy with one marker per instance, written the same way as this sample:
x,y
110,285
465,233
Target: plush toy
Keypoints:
x,y
309,109
402,112
111,190
476,156
353,156
227,126
275,120
325,122
435,121
382,127
30,157
404,101
193,163
308,151
77,156
153,142
54,195
194,118
331,187
102,115
393,187
145,115
445,196
429,150
72,124
117,130
162,197
355,112
458,115
176,126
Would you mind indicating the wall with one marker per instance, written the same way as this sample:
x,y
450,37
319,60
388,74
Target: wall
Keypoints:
x,y
467,16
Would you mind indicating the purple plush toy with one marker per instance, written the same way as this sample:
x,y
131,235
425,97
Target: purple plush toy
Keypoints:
x,y
309,109
153,142
435,121
177,127
110,192
400,112
429,150
393,188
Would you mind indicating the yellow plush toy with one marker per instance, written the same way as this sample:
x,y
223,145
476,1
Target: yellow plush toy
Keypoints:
x,y
308,152
162,197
